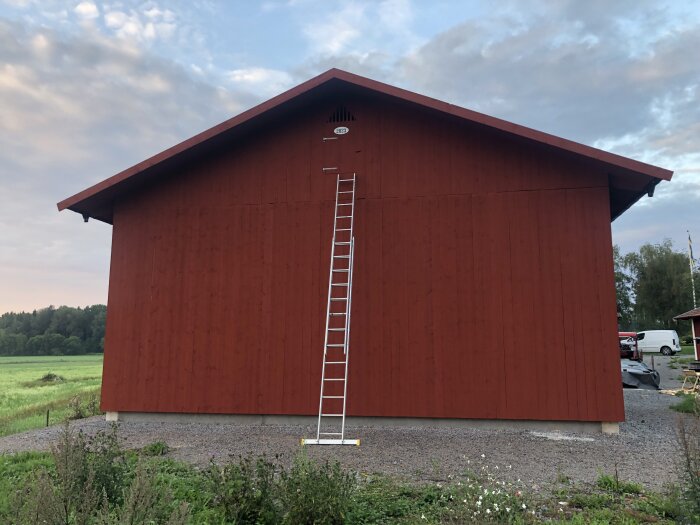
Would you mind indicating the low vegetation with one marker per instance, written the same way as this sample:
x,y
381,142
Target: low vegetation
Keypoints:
x,y
65,387
93,480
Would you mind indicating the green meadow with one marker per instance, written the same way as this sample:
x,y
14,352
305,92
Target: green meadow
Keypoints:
x,y
65,386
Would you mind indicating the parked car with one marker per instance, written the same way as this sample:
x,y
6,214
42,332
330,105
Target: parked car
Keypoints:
x,y
628,346
665,341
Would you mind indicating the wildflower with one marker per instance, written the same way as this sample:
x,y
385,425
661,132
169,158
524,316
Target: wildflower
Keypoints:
x,y
478,503
509,467
524,506
483,455
464,501
507,509
480,497
496,467
518,493
422,516
486,492
488,511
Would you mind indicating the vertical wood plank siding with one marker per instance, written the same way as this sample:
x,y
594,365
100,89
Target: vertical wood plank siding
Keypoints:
x,y
483,286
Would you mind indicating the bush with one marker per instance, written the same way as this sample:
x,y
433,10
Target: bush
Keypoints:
x,y
316,494
50,377
91,483
246,491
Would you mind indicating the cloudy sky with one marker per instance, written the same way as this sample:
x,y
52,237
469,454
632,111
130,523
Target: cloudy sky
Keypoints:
x,y
90,88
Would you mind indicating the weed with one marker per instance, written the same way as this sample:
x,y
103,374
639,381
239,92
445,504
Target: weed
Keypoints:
x,y
246,491
688,435
615,485
688,404
563,478
157,448
319,494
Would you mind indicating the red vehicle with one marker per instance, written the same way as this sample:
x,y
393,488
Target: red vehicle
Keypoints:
x,y
629,349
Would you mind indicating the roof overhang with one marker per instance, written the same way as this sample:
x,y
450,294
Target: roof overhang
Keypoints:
x,y
691,314
629,179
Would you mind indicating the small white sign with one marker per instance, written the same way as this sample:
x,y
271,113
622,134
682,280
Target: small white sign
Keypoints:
x,y
341,130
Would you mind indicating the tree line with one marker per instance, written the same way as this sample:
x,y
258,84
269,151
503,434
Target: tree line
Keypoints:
x,y
653,285
53,331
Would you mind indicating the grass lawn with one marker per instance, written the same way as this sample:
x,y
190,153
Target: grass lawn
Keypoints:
x,y
25,398
686,350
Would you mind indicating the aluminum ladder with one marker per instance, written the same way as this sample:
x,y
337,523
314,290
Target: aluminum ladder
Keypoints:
x,y
330,429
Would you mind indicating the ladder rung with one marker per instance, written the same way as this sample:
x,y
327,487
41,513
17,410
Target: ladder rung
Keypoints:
x,y
342,229
345,204
336,329
337,345
339,284
342,243
334,379
330,433
339,298
345,180
335,314
341,256
331,415
343,217
349,191
335,363
342,270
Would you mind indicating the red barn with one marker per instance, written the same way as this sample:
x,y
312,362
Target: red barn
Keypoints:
x,y
483,281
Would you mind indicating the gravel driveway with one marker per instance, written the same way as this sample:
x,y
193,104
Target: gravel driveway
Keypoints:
x,y
644,451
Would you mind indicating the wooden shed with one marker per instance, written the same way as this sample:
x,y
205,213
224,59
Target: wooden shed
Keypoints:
x,y
483,281
694,317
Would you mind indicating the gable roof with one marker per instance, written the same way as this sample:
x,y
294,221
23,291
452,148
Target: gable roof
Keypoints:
x,y
633,179
690,314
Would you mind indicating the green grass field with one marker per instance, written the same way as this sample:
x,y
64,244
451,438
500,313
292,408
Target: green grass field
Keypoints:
x,y
686,350
25,398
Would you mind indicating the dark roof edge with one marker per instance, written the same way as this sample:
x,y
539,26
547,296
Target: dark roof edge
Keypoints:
x,y
690,314
422,100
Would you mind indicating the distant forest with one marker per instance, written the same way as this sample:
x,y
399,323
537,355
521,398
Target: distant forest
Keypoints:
x,y
54,331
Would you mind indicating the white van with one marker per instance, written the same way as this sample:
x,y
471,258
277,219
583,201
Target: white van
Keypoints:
x,y
664,341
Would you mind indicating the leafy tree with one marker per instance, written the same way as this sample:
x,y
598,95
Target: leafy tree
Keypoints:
x,y
623,290
660,284
53,331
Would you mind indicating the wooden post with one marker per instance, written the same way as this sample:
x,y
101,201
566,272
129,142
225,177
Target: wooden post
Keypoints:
x,y
47,418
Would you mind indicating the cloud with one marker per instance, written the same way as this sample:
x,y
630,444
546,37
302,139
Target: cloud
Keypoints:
x,y
87,10
76,110
266,82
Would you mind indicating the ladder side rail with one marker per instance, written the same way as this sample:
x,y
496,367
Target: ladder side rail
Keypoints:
x,y
347,333
348,303
328,311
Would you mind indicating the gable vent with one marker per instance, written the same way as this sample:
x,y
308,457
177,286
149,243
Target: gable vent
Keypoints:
x,y
341,114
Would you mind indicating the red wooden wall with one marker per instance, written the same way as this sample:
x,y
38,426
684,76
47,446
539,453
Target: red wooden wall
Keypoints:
x,y
483,276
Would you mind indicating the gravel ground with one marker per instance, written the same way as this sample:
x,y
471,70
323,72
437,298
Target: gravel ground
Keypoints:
x,y
644,451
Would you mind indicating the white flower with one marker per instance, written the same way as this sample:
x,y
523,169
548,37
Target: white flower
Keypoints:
x,y
422,516
507,509
483,455
486,492
478,503
496,467
495,506
524,506
480,497
488,511
464,501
